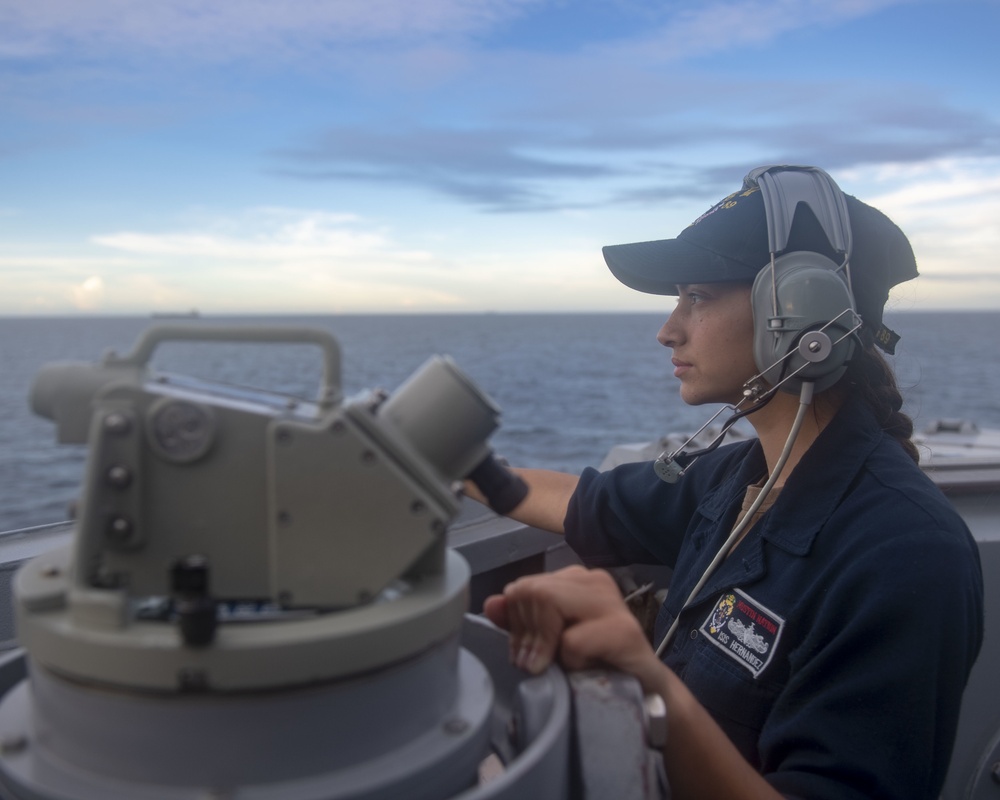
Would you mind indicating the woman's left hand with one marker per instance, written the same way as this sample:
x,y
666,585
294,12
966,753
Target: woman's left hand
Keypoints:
x,y
578,616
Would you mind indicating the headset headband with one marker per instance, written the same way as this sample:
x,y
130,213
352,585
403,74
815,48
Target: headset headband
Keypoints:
x,y
809,185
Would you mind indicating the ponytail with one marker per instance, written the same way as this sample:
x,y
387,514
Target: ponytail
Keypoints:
x,y
869,374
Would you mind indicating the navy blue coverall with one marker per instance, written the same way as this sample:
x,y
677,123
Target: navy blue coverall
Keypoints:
x,y
833,645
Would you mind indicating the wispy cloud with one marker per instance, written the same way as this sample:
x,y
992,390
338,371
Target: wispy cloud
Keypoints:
x,y
703,29
541,167
230,28
948,208
267,234
499,169
275,257
528,138
293,260
236,28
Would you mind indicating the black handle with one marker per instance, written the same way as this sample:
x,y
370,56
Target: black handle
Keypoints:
x,y
502,489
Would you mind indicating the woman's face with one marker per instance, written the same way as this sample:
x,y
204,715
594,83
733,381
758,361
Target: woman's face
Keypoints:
x,y
711,335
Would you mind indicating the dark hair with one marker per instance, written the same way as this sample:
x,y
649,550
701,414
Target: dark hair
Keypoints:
x,y
869,374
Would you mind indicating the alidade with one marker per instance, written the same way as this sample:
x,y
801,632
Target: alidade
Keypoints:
x,y
259,601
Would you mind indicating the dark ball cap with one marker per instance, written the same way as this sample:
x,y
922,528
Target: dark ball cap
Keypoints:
x,y
729,242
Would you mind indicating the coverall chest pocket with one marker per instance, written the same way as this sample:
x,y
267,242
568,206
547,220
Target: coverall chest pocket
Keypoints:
x,y
738,701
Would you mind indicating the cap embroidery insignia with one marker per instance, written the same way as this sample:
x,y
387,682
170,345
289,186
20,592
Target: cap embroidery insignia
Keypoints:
x,y
725,203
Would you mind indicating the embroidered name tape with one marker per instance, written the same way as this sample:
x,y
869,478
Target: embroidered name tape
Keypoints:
x,y
744,630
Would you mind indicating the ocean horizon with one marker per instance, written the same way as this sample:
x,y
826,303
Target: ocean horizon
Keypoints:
x,y
570,384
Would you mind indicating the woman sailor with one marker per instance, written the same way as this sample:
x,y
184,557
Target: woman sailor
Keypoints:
x,y
826,602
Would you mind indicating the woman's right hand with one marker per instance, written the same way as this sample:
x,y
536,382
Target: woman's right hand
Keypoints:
x,y
577,617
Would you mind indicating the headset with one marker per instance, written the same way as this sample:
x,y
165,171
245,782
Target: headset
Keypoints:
x,y
804,326
803,305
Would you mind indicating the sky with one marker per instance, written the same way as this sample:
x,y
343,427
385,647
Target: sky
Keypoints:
x,y
392,156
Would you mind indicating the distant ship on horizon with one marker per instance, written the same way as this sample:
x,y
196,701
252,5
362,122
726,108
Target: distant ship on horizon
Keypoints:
x,y
192,314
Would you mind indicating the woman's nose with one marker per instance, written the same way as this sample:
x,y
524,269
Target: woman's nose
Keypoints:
x,y
667,335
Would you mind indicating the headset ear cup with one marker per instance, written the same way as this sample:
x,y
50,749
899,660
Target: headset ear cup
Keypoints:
x,y
811,297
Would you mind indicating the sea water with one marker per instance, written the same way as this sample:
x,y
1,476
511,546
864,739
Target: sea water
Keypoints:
x,y
570,385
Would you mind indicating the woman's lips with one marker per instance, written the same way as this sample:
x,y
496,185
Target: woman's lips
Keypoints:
x,y
680,367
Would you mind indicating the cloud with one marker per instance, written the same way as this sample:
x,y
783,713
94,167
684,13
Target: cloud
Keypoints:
x,y
948,208
284,260
87,296
498,169
264,259
236,28
266,235
540,131
705,28
532,166
288,259
527,138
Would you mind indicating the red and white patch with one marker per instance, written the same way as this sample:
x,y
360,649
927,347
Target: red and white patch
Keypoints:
x,y
744,630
